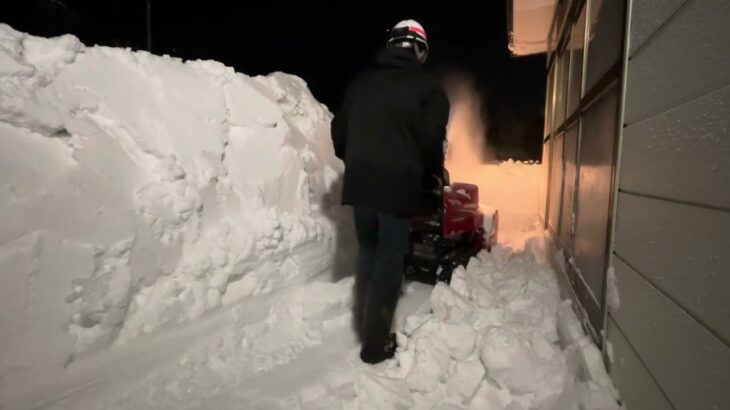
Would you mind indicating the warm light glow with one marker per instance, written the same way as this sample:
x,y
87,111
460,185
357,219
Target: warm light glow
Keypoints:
x,y
510,187
467,131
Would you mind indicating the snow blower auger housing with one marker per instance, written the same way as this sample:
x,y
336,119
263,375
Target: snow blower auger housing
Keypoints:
x,y
458,231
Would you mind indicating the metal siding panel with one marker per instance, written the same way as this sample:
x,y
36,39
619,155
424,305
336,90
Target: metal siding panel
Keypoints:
x,y
570,155
682,154
598,138
689,363
683,250
632,379
647,16
687,59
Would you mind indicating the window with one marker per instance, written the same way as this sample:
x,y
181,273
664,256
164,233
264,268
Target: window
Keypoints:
x,y
605,28
549,101
598,136
561,91
556,184
570,156
575,80
579,182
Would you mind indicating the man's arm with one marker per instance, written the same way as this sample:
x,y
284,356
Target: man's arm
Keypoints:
x,y
434,119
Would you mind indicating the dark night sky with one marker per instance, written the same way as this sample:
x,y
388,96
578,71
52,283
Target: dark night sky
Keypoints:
x,y
326,47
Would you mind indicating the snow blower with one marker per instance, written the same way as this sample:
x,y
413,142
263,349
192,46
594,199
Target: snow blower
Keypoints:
x,y
449,238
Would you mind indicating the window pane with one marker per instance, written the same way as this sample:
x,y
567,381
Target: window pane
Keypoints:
x,y
576,63
561,88
556,80
598,135
606,25
544,179
556,184
570,153
549,102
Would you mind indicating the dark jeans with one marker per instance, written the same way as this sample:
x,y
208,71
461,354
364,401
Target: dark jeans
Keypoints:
x,y
384,241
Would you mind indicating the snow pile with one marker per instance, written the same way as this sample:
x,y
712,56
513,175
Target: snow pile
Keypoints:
x,y
496,338
612,293
138,190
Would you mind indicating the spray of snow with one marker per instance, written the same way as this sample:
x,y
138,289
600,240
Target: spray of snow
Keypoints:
x,y
138,190
512,188
467,128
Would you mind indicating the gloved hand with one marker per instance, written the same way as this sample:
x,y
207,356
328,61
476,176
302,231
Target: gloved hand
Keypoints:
x,y
438,182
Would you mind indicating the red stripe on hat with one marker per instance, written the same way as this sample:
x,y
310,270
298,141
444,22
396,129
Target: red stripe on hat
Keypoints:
x,y
418,30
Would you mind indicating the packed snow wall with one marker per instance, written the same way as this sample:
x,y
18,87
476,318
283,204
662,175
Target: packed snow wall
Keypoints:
x,y
139,190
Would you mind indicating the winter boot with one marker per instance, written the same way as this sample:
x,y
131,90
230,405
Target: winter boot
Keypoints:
x,y
379,343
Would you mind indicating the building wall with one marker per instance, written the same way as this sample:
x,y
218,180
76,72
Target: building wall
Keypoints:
x,y
637,144
581,138
671,255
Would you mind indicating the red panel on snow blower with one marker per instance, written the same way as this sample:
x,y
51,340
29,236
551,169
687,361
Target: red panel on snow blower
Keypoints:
x,y
461,210
448,239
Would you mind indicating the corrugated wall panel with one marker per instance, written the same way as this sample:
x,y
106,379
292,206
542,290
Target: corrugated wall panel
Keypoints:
x,y
636,386
648,16
682,154
688,362
687,59
683,250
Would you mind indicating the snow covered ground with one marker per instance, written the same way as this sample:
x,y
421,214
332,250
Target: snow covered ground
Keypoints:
x,y
169,240
497,338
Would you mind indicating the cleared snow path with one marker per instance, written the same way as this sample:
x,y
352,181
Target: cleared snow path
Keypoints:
x,y
253,354
497,338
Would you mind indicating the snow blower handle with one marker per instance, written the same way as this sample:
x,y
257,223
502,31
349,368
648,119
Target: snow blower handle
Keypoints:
x,y
441,180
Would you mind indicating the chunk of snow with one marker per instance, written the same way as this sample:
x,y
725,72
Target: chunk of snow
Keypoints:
x,y
464,379
510,360
490,397
450,306
384,393
612,295
569,327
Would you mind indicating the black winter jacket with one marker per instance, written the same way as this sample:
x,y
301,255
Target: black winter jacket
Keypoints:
x,y
390,133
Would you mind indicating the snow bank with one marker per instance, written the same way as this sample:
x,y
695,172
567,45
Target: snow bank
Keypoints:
x,y
139,190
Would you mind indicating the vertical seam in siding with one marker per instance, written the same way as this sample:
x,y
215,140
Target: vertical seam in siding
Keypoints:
x,y
616,178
